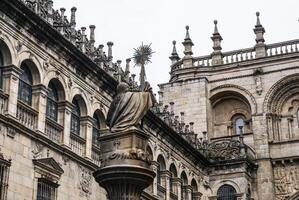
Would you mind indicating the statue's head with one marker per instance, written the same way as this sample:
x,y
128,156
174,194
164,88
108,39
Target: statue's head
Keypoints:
x,y
122,87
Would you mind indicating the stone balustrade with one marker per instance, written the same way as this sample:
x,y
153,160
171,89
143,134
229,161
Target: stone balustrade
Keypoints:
x,y
95,154
26,115
3,102
241,55
77,144
53,130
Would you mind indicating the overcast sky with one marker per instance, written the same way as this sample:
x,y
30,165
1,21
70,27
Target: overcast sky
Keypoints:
x,y
128,23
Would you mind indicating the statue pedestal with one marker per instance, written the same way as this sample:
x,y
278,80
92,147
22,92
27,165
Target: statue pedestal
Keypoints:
x,y
125,165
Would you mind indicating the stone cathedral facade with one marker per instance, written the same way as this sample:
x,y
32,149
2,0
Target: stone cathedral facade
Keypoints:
x,y
226,126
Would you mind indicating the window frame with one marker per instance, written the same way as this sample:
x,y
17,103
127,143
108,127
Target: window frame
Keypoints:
x,y
41,182
75,117
4,177
236,129
25,85
52,103
96,130
1,72
226,188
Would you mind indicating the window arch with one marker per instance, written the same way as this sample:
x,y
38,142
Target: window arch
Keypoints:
x,y
184,183
161,167
25,85
173,172
75,118
1,73
239,124
96,129
52,102
226,192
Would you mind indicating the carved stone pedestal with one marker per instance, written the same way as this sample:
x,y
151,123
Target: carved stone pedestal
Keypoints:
x,y
125,165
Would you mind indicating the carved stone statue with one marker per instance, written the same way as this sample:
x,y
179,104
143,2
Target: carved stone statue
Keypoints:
x,y
129,107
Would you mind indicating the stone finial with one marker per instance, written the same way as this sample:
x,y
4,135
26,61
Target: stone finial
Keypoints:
x,y
73,17
216,38
174,55
62,12
110,44
83,29
187,60
50,12
127,70
259,31
92,35
188,43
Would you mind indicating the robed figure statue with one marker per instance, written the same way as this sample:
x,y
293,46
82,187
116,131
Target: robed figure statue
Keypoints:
x,y
129,107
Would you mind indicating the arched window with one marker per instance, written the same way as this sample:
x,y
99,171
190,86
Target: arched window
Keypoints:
x,y
1,64
161,167
52,105
95,129
194,189
173,172
226,192
25,85
75,118
184,183
239,125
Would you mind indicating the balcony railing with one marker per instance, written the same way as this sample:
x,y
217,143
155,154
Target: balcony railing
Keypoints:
x,y
26,115
77,144
3,102
281,48
173,196
95,154
161,192
53,130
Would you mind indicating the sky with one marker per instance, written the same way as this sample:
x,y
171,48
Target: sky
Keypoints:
x,y
128,23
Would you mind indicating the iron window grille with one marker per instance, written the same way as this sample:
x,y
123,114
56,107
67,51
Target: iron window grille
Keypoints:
x,y
4,175
226,192
46,190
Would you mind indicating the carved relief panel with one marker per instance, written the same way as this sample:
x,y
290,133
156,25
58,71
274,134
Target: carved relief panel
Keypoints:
x,y
286,180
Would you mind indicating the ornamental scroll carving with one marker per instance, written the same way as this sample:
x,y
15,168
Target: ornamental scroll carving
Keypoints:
x,y
85,182
138,154
286,180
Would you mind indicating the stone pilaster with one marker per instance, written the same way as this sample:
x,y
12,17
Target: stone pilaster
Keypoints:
x,y
265,179
64,118
86,124
177,182
188,192
155,166
165,181
39,102
11,75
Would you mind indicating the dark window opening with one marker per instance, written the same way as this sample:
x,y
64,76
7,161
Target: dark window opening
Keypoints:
x,y
75,118
25,85
52,105
46,190
226,192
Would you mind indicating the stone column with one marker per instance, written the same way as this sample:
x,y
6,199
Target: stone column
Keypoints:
x,y
177,182
188,192
196,195
125,168
11,75
64,118
39,103
155,166
165,181
86,124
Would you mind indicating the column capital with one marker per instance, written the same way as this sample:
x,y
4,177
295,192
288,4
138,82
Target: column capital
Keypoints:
x,y
65,105
165,173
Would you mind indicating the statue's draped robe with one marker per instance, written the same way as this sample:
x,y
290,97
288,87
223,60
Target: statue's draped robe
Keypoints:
x,y
127,109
